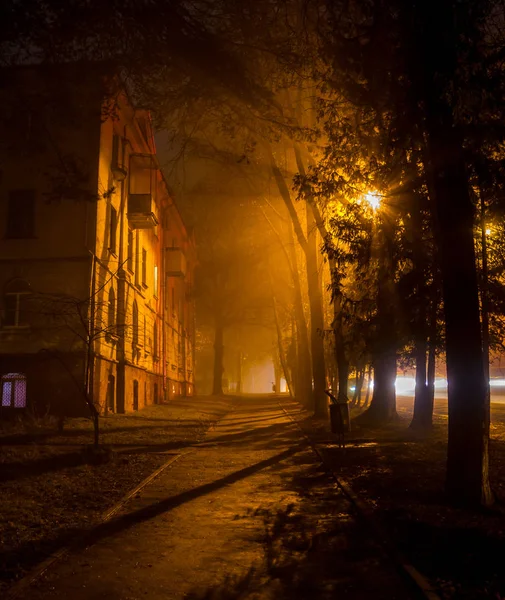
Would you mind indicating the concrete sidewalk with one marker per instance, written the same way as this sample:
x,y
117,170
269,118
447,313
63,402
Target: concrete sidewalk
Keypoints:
x,y
248,513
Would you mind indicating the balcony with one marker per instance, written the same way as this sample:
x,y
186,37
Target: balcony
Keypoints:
x,y
142,187
175,263
140,213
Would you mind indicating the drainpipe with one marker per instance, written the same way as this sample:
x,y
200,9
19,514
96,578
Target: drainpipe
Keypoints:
x,y
121,295
163,287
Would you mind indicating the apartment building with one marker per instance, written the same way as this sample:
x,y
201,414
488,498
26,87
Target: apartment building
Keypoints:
x,y
96,264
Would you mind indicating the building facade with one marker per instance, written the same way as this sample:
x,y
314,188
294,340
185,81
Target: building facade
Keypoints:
x,y
96,265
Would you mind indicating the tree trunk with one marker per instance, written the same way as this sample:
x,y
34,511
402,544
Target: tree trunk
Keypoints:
x,y
303,391
383,406
467,456
368,386
217,385
423,405
359,387
356,387
467,478
316,319
282,355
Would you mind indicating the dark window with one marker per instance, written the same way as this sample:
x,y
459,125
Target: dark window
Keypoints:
x,y
144,267
130,250
111,387
16,298
21,214
14,390
135,394
112,230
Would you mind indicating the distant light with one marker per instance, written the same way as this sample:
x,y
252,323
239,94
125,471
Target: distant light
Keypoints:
x,y
497,382
373,199
441,383
404,384
488,231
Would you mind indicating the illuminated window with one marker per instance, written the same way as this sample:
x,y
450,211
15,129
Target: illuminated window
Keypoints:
x,y
14,390
16,297
21,214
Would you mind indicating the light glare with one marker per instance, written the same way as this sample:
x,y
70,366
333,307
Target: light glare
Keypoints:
x,y
373,199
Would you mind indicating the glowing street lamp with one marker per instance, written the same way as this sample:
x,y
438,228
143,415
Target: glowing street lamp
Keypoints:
x,y
373,199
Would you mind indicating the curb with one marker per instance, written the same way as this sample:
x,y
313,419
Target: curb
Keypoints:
x,y
367,513
22,584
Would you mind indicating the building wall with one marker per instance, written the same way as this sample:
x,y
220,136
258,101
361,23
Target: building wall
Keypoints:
x,y
83,285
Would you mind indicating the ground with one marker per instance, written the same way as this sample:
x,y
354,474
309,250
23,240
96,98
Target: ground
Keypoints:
x,y
246,510
50,493
401,474
249,512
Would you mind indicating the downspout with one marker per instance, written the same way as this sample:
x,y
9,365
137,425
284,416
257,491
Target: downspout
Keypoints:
x,y
163,286
121,295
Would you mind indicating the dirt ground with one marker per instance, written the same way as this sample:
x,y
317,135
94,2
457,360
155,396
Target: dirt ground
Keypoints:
x,y
49,493
401,473
250,513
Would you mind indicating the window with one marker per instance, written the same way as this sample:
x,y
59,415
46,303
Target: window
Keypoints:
x,y
16,295
155,280
21,214
112,230
14,390
144,267
111,310
155,339
135,324
130,250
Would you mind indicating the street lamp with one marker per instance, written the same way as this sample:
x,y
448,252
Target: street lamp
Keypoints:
x,y
373,199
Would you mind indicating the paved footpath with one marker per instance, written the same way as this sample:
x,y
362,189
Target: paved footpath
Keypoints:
x,y
248,513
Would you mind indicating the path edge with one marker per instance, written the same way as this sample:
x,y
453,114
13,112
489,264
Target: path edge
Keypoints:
x,y
36,572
